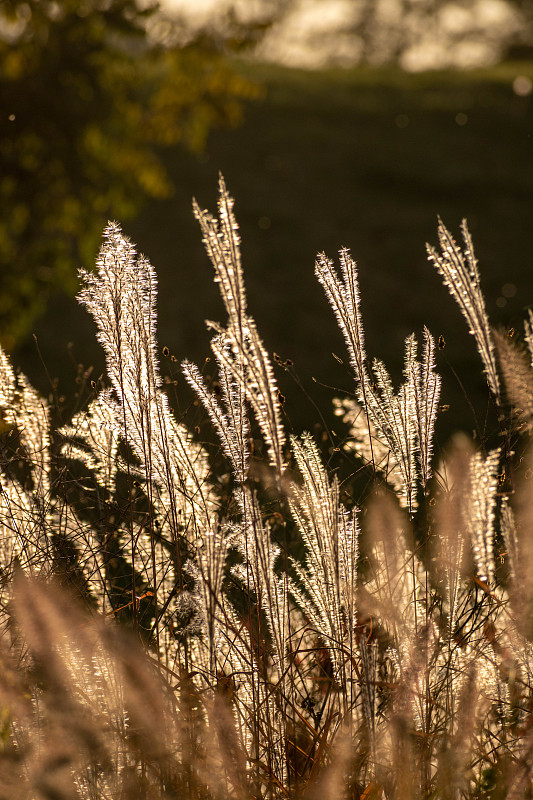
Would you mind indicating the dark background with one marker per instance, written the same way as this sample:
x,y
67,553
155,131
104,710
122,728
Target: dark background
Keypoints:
x,y
98,123
364,159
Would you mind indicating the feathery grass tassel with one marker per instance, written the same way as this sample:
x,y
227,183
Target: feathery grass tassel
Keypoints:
x,y
222,242
479,512
395,417
528,333
231,425
248,363
461,277
514,360
426,384
343,296
331,538
97,429
121,297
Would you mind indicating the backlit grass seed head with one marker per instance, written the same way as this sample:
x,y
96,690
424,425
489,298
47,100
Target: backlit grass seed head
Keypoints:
x,y
480,511
121,297
459,271
244,361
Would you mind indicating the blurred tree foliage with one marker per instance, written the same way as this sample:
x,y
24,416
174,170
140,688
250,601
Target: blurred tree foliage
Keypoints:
x,y
86,103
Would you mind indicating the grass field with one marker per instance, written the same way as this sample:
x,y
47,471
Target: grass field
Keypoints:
x,y
294,631
363,159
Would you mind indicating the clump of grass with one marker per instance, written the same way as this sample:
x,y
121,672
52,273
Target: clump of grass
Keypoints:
x,y
246,630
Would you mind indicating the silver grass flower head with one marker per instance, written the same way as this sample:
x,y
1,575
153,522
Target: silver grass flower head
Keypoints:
x,y
230,423
344,298
403,422
459,271
331,538
121,296
222,242
97,427
480,511
365,441
239,350
528,334
515,365
426,386
7,382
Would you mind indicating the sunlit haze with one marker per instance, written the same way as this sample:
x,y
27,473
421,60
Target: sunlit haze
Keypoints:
x,y
315,33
